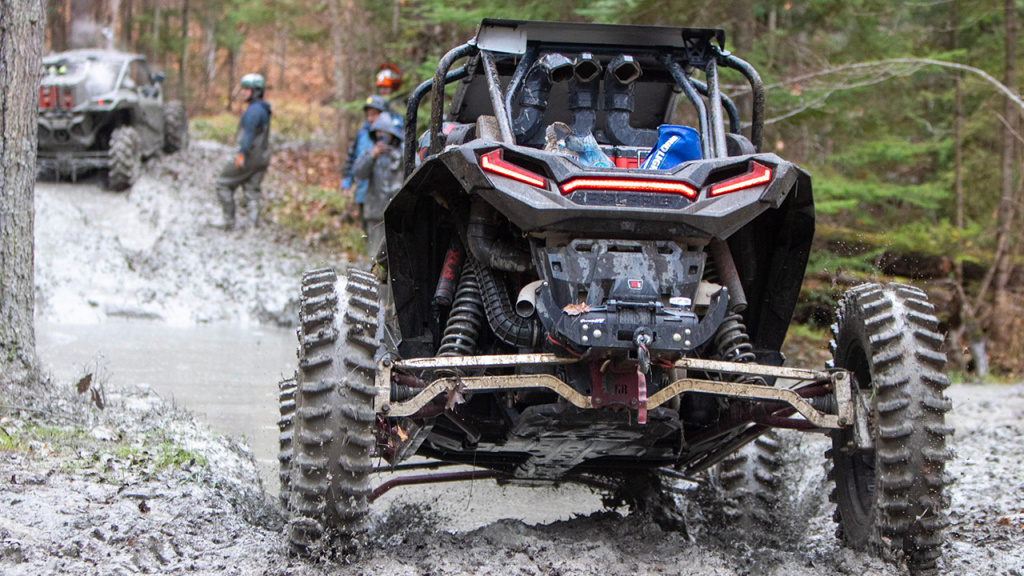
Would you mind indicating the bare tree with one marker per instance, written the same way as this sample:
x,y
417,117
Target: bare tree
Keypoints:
x,y
21,46
57,23
998,324
182,68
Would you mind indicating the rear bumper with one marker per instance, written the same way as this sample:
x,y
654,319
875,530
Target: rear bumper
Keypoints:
x,y
803,384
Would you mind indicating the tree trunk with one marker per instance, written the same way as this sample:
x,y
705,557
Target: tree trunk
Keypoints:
x,y
84,30
232,58
999,320
21,45
57,24
127,25
339,31
182,67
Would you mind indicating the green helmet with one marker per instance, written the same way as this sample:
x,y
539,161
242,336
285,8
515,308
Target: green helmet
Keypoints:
x,y
254,82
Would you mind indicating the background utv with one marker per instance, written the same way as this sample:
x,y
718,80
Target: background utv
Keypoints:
x,y
104,109
545,317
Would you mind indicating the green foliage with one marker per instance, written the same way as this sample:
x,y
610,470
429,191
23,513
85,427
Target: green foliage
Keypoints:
x,y
220,128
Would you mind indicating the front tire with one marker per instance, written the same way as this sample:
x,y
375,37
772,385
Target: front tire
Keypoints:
x,y
175,127
125,158
892,497
339,337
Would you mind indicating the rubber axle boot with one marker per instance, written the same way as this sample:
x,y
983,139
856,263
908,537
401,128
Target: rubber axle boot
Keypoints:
x,y
227,206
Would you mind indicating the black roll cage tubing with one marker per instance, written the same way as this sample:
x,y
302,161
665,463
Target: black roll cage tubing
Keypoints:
x,y
709,115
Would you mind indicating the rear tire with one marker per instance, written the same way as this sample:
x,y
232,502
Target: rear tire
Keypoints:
x,y
749,484
125,158
334,440
286,425
175,127
892,498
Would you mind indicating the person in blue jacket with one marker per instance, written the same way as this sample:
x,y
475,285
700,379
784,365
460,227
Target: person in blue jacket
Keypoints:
x,y
373,107
250,164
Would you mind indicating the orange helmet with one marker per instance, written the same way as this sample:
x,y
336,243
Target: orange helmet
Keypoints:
x,y
389,76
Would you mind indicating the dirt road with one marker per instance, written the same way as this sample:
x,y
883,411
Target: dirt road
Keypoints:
x,y
141,487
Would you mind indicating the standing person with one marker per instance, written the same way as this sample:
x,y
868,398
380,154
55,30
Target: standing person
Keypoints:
x,y
381,166
250,164
373,108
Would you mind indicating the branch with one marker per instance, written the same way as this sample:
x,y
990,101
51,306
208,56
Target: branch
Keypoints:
x,y
915,65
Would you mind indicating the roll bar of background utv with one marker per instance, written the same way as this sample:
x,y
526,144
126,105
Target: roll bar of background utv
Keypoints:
x,y
710,117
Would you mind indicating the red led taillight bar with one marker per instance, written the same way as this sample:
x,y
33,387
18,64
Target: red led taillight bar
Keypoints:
x,y
493,162
757,175
630,185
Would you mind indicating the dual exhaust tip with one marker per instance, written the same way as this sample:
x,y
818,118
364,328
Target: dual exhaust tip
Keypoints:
x,y
587,67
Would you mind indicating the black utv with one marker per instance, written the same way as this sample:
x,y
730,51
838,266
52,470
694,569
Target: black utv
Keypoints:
x,y
103,109
552,305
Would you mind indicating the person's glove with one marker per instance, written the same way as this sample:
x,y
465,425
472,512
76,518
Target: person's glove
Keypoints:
x,y
239,160
346,183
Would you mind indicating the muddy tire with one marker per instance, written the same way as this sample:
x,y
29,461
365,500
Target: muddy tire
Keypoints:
x,y
339,336
748,487
648,493
175,127
286,425
125,158
892,499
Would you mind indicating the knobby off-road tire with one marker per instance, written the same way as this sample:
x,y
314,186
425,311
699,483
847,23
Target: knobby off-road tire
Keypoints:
x,y
749,485
286,425
125,158
175,127
339,335
892,499
649,494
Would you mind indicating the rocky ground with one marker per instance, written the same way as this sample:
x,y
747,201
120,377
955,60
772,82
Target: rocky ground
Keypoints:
x,y
122,482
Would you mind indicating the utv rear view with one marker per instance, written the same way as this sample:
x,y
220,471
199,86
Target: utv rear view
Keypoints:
x,y
550,308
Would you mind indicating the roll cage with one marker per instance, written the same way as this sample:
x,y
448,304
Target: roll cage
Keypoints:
x,y
503,52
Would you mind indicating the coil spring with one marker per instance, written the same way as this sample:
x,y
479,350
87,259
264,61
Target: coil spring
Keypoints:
x,y
466,318
732,341
710,269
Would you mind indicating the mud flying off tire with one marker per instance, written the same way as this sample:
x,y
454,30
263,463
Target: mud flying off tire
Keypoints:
x,y
892,498
175,127
125,158
339,335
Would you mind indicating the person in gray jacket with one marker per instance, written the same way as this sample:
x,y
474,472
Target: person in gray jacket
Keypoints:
x,y
249,166
382,167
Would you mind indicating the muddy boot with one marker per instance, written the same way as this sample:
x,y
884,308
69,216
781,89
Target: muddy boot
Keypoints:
x,y
252,214
227,205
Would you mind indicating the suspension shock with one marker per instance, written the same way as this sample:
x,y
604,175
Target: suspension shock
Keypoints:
x,y
466,318
732,341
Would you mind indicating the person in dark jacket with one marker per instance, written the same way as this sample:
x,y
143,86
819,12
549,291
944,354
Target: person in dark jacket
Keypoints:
x,y
250,164
382,167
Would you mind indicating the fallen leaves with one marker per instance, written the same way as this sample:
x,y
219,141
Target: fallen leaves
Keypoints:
x,y
576,309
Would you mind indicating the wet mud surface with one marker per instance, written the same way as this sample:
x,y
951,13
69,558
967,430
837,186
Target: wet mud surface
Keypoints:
x,y
143,487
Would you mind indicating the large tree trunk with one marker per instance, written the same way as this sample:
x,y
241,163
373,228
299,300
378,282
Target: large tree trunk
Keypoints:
x,y
182,68
57,24
340,15
21,45
128,25
84,27
1000,320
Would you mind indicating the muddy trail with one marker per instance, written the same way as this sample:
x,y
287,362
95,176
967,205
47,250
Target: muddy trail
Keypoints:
x,y
142,486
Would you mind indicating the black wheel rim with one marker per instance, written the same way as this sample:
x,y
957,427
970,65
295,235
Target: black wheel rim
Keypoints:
x,y
859,464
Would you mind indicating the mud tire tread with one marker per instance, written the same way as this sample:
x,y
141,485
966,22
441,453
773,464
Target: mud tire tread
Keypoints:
x,y
906,512
175,127
125,158
333,437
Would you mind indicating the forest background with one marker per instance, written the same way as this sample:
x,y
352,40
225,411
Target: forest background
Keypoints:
x,y
905,113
